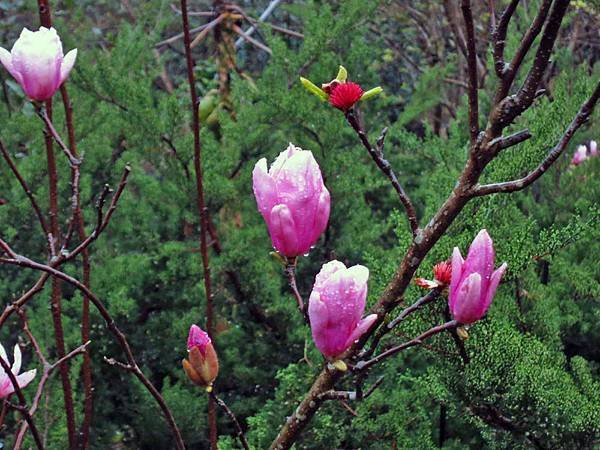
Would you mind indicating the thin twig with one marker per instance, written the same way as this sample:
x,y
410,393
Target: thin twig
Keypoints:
x,y
28,192
236,423
472,68
290,271
362,365
376,154
516,185
19,260
200,202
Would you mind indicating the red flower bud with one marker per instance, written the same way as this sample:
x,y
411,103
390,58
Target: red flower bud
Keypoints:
x,y
345,95
203,365
442,272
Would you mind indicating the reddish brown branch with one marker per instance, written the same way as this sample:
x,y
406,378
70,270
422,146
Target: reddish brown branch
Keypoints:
x,y
472,70
201,205
77,219
22,261
516,185
376,153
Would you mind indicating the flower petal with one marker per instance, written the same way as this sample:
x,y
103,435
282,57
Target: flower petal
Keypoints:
x,y
16,367
467,305
283,231
457,269
361,329
67,64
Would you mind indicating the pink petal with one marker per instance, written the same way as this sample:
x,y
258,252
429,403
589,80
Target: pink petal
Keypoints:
x,y
457,266
6,60
481,258
25,378
283,231
67,65
467,305
491,290
264,188
361,329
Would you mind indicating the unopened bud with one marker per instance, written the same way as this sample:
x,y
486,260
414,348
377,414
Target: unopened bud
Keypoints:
x,y
202,367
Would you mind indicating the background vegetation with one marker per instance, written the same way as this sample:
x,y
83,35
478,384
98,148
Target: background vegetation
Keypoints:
x,y
533,380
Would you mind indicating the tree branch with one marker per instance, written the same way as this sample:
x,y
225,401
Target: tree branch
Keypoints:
x,y
376,154
472,68
516,185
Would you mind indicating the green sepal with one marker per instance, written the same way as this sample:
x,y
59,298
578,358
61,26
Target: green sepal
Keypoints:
x,y
313,89
342,75
372,93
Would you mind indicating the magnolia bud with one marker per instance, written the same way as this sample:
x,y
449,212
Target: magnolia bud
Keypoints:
x,y
202,367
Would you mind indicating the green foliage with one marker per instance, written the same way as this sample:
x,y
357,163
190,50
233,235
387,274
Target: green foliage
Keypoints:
x,y
533,377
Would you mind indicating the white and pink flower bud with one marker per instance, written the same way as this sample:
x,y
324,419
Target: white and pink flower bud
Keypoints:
x,y
23,379
292,199
336,306
37,62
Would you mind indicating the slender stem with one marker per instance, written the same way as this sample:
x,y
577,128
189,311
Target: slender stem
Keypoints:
x,y
28,192
472,68
48,370
362,365
236,423
516,185
22,261
290,271
202,209
376,154
88,404
23,404
385,329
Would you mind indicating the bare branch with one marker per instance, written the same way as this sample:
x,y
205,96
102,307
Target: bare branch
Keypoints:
x,y
22,261
362,365
499,37
22,404
236,423
28,192
376,154
516,185
472,68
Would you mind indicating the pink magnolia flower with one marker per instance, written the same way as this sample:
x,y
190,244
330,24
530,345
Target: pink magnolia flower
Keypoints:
x,y
474,281
6,386
37,62
292,199
594,148
203,365
580,155
336,306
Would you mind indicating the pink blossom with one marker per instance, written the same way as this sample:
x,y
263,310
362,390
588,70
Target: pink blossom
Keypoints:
x,y
202,365
37,62
580,155
292,199
474,281
6,386
198,338
336,306
594,149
